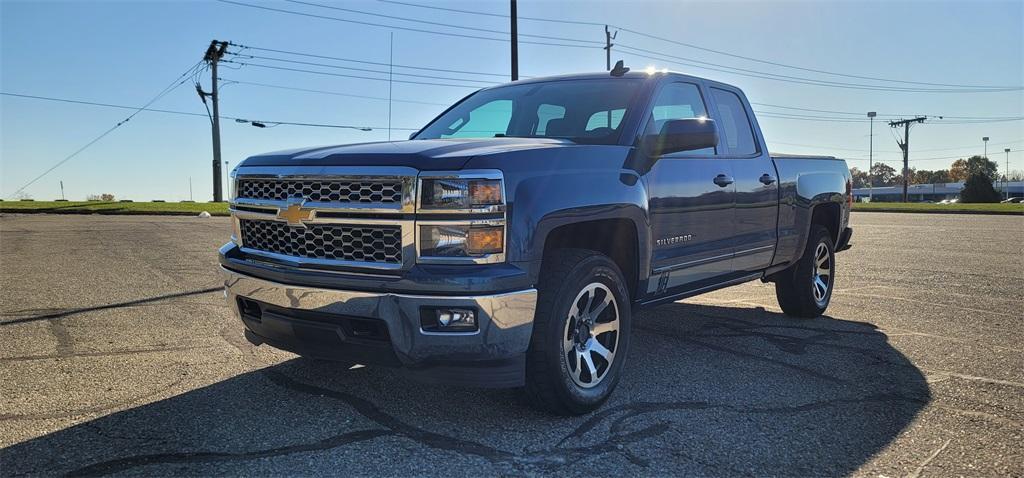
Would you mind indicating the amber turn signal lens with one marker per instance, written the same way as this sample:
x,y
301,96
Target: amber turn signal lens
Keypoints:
x,y
485,192
485,240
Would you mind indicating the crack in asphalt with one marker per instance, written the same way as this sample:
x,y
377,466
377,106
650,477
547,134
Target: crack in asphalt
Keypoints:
x,y
544,460
759,358
794,345
69,312
623,418
123,464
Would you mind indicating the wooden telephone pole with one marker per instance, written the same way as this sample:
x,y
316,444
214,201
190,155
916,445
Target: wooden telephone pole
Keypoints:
x,y
608,37
905,146
515,41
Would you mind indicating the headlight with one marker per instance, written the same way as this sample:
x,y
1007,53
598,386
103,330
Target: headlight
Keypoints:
x,y
461,240
460,193
233,184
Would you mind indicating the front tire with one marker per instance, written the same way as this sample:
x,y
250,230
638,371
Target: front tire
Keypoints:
x,y
805,289
581,333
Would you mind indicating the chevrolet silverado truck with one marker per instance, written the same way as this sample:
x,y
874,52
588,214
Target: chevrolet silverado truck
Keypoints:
x,y
511,241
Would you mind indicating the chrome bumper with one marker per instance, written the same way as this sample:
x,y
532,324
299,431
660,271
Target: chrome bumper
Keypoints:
x,y
505,320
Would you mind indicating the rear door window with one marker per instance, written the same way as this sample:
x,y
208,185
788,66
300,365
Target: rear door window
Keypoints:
x,y
734,126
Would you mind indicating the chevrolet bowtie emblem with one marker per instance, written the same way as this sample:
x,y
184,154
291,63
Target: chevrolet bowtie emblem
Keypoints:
x,y
295,214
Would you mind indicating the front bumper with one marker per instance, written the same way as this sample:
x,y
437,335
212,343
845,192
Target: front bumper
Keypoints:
x,y
340,324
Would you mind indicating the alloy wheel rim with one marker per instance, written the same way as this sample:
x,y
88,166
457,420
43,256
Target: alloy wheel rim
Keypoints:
x,y
822,278
590,337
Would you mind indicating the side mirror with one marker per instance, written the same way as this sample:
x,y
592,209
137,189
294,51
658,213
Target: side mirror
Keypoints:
x,y
681,135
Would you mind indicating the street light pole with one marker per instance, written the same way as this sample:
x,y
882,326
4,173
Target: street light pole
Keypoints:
x,y
1006,174
871,156
985,140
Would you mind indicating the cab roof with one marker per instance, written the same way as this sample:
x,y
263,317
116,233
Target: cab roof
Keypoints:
x,y
635,74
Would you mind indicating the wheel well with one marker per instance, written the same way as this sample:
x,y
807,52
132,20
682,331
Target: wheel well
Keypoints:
x,y
615,238
827,215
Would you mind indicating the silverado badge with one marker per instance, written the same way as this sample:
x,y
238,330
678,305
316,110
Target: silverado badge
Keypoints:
x,y
668,241
295,214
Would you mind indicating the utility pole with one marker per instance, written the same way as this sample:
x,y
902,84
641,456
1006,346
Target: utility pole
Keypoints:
x,y
63,198
190,188
515,42
608,37
905,146
391,66
212,56
871,156
1006,175
984,139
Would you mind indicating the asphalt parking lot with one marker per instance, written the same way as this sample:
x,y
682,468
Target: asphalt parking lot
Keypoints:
x,y
118,356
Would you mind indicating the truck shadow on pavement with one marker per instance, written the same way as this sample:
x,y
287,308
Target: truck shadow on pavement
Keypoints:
x,y
708,390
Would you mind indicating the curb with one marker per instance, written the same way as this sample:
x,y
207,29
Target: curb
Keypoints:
x,y
906,211
107,213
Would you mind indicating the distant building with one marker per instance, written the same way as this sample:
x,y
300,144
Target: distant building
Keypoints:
x,y
930,192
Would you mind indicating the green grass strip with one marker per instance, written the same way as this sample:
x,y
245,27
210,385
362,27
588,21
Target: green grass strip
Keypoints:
x,y
957,208
100,207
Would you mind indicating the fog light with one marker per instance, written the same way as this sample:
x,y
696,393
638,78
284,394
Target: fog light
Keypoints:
x,y
448,320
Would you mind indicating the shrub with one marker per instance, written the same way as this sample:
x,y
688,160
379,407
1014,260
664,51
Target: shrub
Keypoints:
x,y
978,188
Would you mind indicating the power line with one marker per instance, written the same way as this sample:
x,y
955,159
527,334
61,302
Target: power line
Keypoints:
x,y
393,27
826,119
665,57
367,62
898,160
427,22
155,110
499,15
335,93
823,119
327,73
972,88
861,150
367,70
180,80
860,114
186,113
92,103
770,114
711,50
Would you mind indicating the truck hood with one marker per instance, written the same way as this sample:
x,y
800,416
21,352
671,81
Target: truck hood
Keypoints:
x,y
425,154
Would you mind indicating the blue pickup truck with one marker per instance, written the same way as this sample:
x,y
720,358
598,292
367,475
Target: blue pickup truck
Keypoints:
x,y
510,242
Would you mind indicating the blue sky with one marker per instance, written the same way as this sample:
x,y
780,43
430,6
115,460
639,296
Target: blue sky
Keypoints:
x,y
125,52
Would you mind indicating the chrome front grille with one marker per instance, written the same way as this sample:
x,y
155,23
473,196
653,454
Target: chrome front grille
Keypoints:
x,y
379,191
374,244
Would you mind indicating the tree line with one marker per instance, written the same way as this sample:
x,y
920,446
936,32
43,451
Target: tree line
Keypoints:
x,y
884,175
977,172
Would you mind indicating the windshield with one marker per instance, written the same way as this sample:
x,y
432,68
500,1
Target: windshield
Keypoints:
x,y
585,111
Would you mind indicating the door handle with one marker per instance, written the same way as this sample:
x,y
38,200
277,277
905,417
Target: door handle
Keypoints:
x,y
766,179
722,180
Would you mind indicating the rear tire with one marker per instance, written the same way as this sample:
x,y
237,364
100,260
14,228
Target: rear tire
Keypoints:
x,y
805,289
581,333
